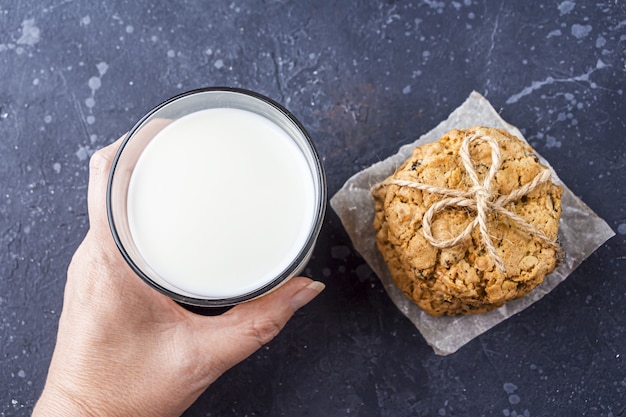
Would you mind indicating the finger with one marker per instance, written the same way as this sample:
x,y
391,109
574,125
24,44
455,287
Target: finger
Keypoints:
x,y
247,327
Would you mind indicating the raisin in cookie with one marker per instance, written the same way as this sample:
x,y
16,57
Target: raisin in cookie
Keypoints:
x,y
469,222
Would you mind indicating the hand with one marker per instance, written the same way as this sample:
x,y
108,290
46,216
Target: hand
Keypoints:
x,y
124,349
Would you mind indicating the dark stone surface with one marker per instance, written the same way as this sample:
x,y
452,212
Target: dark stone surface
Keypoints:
x,y
364,78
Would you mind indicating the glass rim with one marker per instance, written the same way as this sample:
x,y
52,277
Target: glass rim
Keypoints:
x,y
317,171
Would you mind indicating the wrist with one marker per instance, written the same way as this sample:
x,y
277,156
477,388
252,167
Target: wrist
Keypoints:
x,y
56,402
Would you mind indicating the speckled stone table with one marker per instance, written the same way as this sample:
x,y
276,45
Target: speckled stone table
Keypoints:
x,y
364,78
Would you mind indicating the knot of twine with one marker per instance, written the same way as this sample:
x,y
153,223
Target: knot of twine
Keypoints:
x,y
479,198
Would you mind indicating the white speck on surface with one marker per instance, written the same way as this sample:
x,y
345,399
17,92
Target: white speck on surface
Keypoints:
x,y
209,51
57,167
85,20
218,64
82,153
339,252
600,42
509,387
30,33
621,229
536,85
130,29
437,5
103,67
90,102
94,83
93,138
91,119
580,31
556,32
566,7
171,53
551,142
364,272
36,81
514,399
154,38
47,118
406,90
21,373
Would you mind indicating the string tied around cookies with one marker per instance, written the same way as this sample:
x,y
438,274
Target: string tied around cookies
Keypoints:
x,y
479,198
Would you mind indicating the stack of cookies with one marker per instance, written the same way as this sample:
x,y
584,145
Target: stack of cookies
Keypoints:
x,y
469,222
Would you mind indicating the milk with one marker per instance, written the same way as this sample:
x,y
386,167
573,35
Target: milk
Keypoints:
x,y
220,203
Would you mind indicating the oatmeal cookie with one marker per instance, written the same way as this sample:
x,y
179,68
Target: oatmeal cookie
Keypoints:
x,y
486,262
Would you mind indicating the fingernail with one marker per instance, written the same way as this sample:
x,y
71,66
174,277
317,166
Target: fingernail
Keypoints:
x,y
306,294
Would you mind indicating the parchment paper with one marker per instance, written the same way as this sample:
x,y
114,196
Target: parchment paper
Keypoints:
x,y
581,232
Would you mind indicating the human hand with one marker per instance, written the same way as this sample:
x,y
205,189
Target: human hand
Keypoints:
x,y
125,349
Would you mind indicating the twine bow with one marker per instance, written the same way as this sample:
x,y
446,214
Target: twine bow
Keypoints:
x,y
479,198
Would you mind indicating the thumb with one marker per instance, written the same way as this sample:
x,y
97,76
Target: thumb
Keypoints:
x,y
247,327
99,167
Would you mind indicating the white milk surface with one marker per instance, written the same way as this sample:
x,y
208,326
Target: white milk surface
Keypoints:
x,y
220,202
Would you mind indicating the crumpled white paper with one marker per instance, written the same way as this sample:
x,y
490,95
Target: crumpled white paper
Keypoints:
x,y
581,232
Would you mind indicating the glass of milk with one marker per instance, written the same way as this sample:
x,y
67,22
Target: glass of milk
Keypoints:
x,y
216,197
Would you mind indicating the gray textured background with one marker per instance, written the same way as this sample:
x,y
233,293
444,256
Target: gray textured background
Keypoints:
x,y
364,78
